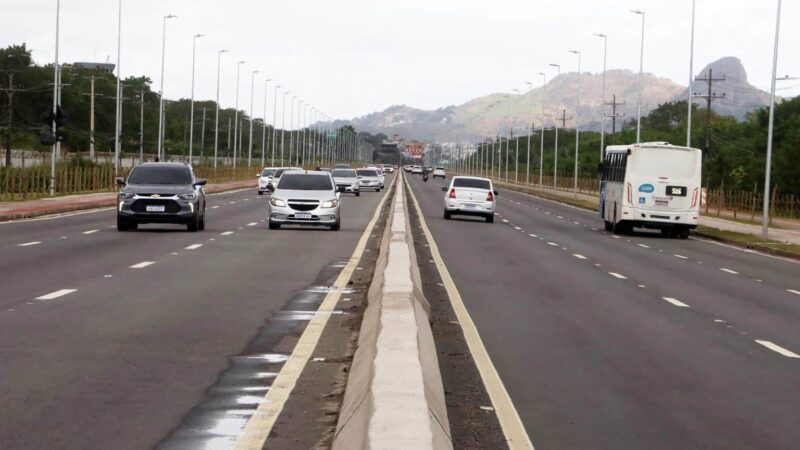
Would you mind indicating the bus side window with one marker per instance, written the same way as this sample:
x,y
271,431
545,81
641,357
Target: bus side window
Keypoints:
x,y
623,166
615,165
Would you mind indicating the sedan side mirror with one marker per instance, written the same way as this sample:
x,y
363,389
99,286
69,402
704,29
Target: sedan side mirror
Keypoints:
x,y
120,181
258,175
444,188
200,182
495,193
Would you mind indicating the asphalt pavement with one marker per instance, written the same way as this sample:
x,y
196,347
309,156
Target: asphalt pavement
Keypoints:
x,y
632,341
109,339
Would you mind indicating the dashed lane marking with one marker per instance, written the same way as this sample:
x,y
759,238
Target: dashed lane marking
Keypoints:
x,y
777,348
194,246
90,231
226,233
644,245
28,244
618,275
675,302
142,264
792,291
215,207
732,272
553,244
579,256
681,256
533,235
252,224
56,294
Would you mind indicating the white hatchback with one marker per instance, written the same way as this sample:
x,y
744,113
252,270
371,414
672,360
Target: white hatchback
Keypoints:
x,y
470,196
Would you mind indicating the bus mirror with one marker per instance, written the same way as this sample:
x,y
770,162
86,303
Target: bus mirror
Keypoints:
x,y
600,169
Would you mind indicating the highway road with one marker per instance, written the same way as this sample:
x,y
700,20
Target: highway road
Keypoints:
x,y
109,339
637,341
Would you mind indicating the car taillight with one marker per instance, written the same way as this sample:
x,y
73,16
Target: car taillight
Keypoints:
x,y
694,197
452,193
630,193
490,197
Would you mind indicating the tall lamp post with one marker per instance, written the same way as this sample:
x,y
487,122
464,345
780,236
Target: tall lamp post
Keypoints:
x,y
252,92
160,149
555,151
577,121
691,82
283,122
216,119
264,127
768,168
118,124
274,123
530,132
55,105
191,108
639,93
236,112
541,138
603,100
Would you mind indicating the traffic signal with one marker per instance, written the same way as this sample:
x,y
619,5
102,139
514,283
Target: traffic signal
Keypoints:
x,y
46,136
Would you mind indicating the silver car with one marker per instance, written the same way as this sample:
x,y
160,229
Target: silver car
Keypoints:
x,y
305,198
370,178
346,180
470,196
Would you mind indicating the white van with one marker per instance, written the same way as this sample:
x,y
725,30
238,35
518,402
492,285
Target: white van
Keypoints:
x,y
651,185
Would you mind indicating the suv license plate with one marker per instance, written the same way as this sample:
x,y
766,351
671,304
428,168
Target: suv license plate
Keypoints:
x,y
155,208
303,215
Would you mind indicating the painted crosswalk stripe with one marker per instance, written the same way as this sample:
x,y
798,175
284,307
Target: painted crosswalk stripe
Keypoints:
x,y
777,348
618,275
194,246
56,294
142,264
676,302
28,244
90,231
729,271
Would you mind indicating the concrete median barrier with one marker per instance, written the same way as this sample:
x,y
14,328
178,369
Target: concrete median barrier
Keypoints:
x,y
394,397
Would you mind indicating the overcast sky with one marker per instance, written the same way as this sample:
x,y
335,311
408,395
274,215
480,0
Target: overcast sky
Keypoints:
x,y
352,57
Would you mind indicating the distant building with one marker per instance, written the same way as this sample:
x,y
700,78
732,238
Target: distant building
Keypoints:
x,y
103,67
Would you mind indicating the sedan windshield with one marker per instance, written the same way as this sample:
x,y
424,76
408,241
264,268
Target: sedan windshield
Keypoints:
x,y
160,175
268,172
475,183
367,173
305,182
344,173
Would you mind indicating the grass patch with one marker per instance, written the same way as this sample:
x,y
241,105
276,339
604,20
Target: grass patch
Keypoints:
x,y
748,240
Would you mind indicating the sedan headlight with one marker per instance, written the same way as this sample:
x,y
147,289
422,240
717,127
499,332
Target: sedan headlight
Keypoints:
x,y
276,202
330,203
126,195
188,196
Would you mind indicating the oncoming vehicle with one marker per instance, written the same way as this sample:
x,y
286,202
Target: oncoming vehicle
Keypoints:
x,y
470,196
265,178
161,193
370,178
439,172
346,181
651,185
305,198
276,177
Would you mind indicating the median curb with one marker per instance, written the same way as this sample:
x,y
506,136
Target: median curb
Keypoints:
x,y
394,396
60,205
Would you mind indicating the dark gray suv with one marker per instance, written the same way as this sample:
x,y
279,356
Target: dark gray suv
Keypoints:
x,y
161,193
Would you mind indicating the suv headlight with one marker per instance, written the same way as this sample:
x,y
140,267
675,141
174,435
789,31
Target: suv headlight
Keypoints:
x,y
188,196
126,195
276,202
330,203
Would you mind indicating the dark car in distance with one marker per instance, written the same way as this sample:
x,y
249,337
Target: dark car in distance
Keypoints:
x,y
161,192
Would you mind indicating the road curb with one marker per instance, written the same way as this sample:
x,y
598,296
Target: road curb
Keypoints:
x,y
108,202
394,396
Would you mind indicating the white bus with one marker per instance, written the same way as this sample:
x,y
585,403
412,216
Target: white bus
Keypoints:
x,y
651,185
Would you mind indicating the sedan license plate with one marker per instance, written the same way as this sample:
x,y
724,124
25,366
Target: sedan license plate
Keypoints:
x,y
155,208
303,215
470,206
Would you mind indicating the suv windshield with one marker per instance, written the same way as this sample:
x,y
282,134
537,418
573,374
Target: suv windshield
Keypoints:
x,y
305,182
471,183
343,173
160,175
366,173
268,172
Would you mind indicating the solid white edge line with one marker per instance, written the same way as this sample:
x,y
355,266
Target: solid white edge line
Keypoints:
x,y
675,302
56,294
142,264
513,429
28,244
777,348
256,432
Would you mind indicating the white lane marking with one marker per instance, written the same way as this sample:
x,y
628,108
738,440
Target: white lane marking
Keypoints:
x,y
252,224
215,207
517,228
142,264
194,246
615,236
226,233
676,302
644,246
578,223
595,229
506,220
578,256
553,244
791,290
28,244
533,235
90,231
56,294
733,272
681,256
777,348
618,275
560,217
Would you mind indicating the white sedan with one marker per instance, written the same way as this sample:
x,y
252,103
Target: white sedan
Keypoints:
x,y
470,196
416,169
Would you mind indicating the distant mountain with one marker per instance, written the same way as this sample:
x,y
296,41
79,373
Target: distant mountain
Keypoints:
x,y
484,116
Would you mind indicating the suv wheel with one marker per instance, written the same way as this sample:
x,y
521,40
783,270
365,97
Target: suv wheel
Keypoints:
x,y
202,225
447,214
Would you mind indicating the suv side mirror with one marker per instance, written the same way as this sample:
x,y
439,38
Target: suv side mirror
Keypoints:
x,y
200,182
120,181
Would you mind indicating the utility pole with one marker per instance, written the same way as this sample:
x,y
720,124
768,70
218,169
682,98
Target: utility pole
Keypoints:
x,y
141,126
10,96
710,96
614,116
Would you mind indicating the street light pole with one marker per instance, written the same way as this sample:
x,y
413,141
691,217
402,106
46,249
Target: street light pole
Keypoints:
x,y
274,123
691,81
768,168
291,127
216,120
639,93
161,91
118,124
236,113
56,79
530,132
603,101
577,122
283,122
191,110
555,150
541,138
252,92
264,127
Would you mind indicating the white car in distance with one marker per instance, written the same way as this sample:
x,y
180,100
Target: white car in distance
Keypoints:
x,y
470,196
265,178
439,172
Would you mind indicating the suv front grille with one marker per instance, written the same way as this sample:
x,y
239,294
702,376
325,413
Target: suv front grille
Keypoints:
x,y
170,206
